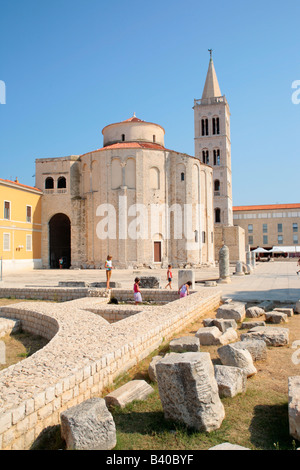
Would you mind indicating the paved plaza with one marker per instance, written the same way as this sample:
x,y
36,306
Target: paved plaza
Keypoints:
x,y
268,281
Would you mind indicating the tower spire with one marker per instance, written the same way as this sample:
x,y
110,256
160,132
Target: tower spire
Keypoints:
x,y
211,87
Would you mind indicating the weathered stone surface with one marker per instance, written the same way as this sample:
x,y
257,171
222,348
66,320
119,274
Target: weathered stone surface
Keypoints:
x,y
231,380
149,282
9,326
276,317
223,324
185,275
185,344
266,305
208,322
273,336
134,390
209,335
294,406
256,347
236,357
234,310
297,307
288,311
228,446
88,426
189,392
229,336
152,368
247,325
254,312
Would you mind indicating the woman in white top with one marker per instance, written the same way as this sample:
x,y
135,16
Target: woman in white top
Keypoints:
x,y
108,267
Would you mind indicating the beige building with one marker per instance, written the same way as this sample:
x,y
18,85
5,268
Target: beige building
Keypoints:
x,y
133,199
267,226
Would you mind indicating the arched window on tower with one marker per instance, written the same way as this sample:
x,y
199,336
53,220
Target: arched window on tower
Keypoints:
x,y
204,126
217,215
205,156
61,183
123,137
49,183
216,126
217,160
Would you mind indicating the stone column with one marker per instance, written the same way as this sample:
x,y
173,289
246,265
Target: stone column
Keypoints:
x,y
224,265
239,269
248,261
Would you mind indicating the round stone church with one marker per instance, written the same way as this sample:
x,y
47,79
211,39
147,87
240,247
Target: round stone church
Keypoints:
x,y
133,199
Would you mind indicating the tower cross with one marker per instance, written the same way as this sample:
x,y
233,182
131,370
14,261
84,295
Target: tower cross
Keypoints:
x,y
210,52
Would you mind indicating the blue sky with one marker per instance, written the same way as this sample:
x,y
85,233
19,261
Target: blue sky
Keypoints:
x,y
73,66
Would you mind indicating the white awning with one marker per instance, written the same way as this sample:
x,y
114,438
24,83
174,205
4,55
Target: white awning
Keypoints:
x,y
260,250
285,249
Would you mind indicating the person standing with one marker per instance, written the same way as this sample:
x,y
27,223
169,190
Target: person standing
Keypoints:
x,y
136,291
108,267
169,276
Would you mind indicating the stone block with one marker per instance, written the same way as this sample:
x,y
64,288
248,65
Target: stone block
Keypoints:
x,y
152,368
88,426
133,390
297,307
209,336
273,336
185,344
185,275
149,282
224,324
231,380
235,311
288,311
252,324
256,347
276,317
294,406
254,312
236,357
189,392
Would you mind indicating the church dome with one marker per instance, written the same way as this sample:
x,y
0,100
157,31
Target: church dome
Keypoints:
x,y
133,130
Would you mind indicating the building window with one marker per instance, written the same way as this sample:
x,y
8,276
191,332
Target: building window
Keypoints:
x,y
217,216
295,239
280,240
6,242
182,176
265,228
154,139
295,227
250,228
28,214
196,236
123,137
61,182
49,183
6,210
250,240
28,242
203,237
279,228
205,156
217,186
216,125
204,127
217,157
265,239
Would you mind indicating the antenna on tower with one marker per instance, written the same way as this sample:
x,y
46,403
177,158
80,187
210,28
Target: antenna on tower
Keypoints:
x,y
210,52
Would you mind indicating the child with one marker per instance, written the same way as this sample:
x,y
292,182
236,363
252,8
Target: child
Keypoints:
x,y
108,267
169,276
298,264
185,289
137,293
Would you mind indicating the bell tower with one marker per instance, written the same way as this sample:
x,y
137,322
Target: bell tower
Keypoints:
x,y
212,143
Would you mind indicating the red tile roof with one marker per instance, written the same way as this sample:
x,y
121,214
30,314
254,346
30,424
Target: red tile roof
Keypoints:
x,y
21,185
266,207
129,145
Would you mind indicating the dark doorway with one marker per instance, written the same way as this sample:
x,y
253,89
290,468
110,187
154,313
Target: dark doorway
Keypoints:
x,y
60,241
157,252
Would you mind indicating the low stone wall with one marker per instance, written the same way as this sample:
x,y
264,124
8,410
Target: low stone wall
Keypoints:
x,y
155,295
54,294
84,355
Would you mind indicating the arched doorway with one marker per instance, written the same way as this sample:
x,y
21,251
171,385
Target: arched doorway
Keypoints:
x,y
59,241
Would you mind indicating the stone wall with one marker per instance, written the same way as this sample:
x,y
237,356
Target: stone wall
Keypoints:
x,y
84,355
